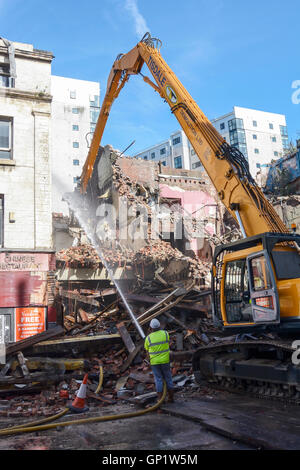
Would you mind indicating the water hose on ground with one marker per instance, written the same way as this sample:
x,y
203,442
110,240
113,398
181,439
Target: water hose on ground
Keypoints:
x,y
32,427
58,415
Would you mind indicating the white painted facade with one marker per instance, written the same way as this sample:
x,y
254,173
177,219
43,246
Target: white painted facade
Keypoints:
x,y
25,133
175,152
75,108
264,138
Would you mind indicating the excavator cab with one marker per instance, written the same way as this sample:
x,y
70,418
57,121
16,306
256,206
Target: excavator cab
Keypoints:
x,y
254,280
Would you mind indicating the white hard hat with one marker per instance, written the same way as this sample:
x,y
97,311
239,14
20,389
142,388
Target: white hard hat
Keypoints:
x,y
154,323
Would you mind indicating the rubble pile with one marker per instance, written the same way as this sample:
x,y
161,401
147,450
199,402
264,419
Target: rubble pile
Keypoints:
x,y
156,252
44,380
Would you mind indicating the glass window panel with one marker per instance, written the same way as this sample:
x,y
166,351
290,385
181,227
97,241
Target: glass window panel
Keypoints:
x,y
261,278
178,162
5,135
94,113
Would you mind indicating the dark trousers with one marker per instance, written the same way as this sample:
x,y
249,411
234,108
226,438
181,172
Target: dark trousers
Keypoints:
x,y
162,372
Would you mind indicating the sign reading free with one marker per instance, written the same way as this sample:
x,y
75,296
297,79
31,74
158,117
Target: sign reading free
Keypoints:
x,y
29,321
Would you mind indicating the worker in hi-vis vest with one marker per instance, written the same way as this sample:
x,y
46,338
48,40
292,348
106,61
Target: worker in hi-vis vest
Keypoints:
x,y
157,346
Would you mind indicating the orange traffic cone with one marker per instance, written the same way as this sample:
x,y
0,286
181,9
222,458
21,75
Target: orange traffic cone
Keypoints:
x,y
78,405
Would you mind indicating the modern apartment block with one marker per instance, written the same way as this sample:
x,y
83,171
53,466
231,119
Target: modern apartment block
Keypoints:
x,y
25,125
75,110
175,152
259,135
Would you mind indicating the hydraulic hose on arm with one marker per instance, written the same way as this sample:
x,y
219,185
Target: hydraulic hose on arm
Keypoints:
x,y
36,426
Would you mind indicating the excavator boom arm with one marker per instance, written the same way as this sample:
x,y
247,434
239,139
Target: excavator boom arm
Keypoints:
x,y
225,165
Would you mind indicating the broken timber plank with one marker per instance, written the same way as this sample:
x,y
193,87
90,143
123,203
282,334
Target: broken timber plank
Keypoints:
x,y
164,309
91,323
79,298
28,342
158,304
40,377
131,358
44,363
126,337
78,344
6,368
22,363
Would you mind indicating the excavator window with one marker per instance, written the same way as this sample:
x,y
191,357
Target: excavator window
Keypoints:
x,y
237,295
260,274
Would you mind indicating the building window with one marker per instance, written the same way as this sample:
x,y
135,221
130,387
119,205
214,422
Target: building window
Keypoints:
x,y
75,110
76,162
283,131
152,155
76,145
271,126
235,124
254,137
275,154
5,79
73,94
274,139
75,127
1,220
193,152
196,165
178,162
94,114
93,127
254,123
256,151
163,151
237,137
164,163
176,141
5,138
145,157
95,101
222,126
285,143
76,179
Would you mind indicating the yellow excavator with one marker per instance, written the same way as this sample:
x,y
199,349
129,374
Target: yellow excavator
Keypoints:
x,y
255,280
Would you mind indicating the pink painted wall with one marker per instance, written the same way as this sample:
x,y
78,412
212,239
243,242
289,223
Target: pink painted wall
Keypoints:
x,y
192,201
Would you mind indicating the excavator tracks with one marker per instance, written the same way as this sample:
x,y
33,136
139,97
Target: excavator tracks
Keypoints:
x,y
257,368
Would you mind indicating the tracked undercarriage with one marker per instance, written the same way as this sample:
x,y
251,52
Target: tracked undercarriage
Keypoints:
x,y
261,368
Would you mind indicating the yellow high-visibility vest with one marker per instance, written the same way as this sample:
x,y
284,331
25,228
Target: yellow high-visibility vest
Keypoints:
x,y
157,344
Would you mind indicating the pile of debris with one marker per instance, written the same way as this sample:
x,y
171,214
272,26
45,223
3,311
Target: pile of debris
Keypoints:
x,y
45,371
156,253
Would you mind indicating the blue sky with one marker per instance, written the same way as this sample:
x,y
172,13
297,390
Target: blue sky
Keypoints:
x,y
226,53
